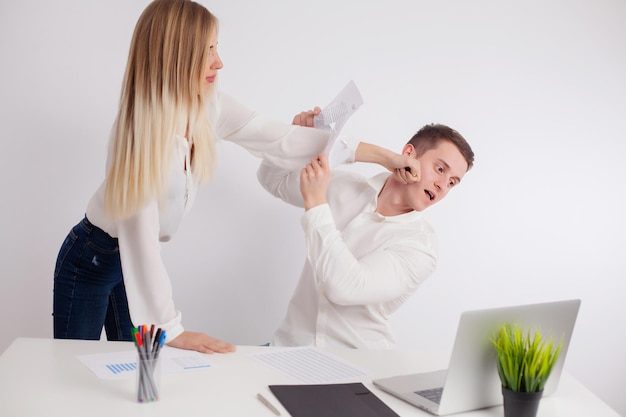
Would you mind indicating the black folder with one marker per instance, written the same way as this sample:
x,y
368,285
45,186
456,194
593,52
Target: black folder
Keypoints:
x,y
331,400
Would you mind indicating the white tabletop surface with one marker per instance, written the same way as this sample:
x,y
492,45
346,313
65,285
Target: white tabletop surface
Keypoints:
x,y
44,377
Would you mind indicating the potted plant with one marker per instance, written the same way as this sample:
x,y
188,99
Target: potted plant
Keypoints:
x,y
524,363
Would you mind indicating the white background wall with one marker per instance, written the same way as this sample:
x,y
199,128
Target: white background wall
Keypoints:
x,y
538,87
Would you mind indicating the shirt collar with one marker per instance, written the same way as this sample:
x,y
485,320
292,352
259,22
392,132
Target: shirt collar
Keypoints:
x,y
377,182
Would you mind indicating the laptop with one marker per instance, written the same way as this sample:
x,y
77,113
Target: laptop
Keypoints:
x,y
471,380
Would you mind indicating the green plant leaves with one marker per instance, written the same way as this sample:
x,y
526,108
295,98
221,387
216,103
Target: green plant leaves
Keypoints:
x,y
524,363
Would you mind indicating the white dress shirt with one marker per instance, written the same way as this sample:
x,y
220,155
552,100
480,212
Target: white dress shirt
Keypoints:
x,y
360,266
147,282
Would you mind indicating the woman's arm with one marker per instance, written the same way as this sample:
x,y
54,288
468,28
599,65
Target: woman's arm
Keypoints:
x,y
148,286
147,283
283,145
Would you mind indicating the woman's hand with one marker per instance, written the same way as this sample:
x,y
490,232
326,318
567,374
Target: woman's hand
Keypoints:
x,y
201,342
305,118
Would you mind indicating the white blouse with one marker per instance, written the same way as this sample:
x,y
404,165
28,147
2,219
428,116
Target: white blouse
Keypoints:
x,y
147,282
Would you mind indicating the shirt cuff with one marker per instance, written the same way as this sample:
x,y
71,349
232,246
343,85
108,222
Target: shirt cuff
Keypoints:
x,y
173,332
315,217
343,151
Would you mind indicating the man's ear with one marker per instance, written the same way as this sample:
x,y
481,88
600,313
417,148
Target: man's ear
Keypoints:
x,y
408,150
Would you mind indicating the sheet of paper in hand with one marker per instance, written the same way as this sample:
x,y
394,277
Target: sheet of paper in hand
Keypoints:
x,y
337,112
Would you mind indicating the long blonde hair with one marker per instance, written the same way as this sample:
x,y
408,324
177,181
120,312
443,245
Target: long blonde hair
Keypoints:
x,y
161,93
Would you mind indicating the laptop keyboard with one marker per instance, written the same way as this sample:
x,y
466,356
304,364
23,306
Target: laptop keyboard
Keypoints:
x,y
433,394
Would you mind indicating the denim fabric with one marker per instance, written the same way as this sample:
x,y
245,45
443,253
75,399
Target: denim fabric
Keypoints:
x,y
89,287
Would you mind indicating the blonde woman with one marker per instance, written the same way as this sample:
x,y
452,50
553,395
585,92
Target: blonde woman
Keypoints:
x,y
109,271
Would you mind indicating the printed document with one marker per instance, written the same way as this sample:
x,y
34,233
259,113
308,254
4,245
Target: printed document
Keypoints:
x,y
121,365
334,116
310,365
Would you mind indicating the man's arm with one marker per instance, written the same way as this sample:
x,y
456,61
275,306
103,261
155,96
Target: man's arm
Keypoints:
x,y
402,259
394,266
314,181
281,183
284,183
405,167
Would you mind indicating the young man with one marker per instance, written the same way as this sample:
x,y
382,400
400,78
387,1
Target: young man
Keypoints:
x,y
368,246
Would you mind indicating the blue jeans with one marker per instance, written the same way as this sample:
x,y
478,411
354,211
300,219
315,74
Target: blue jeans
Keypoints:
x,y
89,287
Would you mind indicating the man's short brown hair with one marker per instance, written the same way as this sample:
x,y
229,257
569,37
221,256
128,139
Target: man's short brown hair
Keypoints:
x,y
430,136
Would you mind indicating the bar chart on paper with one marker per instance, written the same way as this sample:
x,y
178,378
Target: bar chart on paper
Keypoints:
x,y
118,368
120,365
116,365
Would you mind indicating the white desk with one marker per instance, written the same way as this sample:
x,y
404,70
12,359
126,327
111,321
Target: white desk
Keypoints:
x,y
43,377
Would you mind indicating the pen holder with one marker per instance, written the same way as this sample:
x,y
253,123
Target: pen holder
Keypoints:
x,y
148,378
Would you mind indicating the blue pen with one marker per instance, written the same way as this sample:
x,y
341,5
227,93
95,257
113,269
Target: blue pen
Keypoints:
x,y
158,347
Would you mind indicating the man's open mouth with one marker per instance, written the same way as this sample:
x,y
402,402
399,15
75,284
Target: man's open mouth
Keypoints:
x,y
430,195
